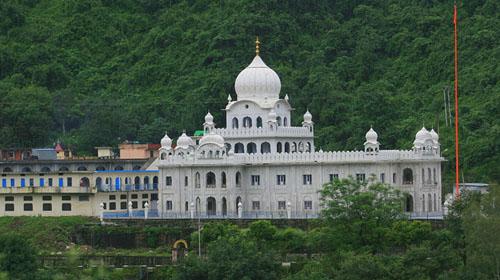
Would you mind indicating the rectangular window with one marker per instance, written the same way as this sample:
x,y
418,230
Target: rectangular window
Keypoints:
x,y
12,182
382,177
169,205
83,198
255,180
186,181
61,182
394,178
360,177
23,182
123,205
4,183
112,197
69,182
168,180
112,206
134,204
9,198
47,198
334,177
134,196
47,207
307,179
280,179
145,195
154,196
255,205
42,182
123,196
66,206
28,207
51,182
308,205
66,197
28,198
281,205
9,207
32,182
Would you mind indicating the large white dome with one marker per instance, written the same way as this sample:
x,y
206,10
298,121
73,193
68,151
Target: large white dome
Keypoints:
x,y
166,142
371,136
212,138
258,82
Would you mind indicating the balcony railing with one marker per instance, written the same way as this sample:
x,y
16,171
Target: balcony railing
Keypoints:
x,y
16,190
128,187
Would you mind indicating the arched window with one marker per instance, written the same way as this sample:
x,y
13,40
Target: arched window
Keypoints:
x,y
251,148
394,178
137,182
239,148
423,175
287,147
118,167
434,175
155,182
211,206
100,168
435,203
163,156
247,122
423,202
279,147
63,169
84,182
309,147
259,122
409,203
238,179
26,169
210,180
197,180
265,148
285,121
81,168
98,182
7,169
45,169
235,122
224,206
238,201
294,147
198,205
186,181
429,176
429,201
223,179
186,206
278,120
146,182
407,176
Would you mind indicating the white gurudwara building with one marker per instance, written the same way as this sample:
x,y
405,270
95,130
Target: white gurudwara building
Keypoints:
x,y
259,166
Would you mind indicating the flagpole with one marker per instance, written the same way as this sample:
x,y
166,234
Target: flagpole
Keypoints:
x,y
457,189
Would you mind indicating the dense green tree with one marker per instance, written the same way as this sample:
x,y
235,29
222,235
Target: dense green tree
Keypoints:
x,y
17,257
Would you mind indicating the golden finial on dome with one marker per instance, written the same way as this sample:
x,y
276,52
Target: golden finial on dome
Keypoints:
x,y
257,46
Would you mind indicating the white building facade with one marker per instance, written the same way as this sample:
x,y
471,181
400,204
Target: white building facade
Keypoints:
x,y
260,166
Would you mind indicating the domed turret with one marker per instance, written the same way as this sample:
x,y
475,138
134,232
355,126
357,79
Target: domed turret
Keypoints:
x,y
371,136
434,136
257,81
212,138
166,142
184,141
420,138
371,143
209,118
308,117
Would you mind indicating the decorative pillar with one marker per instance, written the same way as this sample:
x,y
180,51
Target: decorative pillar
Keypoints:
x,y
146,209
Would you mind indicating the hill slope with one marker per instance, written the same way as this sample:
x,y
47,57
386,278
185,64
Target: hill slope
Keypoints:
x,y
94,72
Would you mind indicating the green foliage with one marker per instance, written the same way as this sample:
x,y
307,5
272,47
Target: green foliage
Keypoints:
x,y
17,257
106,71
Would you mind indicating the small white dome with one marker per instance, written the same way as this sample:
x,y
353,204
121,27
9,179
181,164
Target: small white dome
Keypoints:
x,y
209,118
212,138
308,117
257,82
166,142
272,115
184,141
371,136
423,134
434,136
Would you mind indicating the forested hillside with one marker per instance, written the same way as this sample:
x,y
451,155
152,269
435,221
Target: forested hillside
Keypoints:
x,y
94,73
